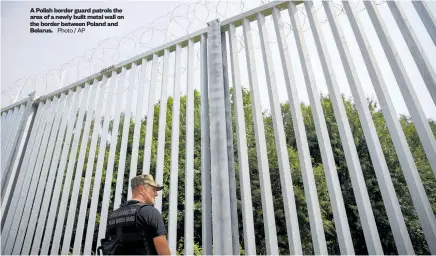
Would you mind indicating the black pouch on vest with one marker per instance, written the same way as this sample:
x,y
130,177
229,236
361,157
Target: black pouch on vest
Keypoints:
x,y
108,247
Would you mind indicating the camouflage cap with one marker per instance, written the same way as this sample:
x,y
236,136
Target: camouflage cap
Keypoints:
x,y
145,179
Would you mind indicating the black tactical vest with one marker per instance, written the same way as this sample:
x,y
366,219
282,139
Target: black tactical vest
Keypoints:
x,y
122,228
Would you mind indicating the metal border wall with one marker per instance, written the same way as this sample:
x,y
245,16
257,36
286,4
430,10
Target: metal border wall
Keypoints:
x,y
88,140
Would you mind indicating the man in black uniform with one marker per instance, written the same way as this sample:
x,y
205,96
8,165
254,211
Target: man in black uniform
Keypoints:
x,y
137,227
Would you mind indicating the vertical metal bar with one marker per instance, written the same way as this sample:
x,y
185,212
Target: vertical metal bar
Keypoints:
x,y
11,146
82,150
244,171
54,173
262,157
405,157
24,177
6,138
427,18
175,130
6,125
55,204
221,219
113,146
417,114
150,120
230,151
339,213
18,151
206,199
69,176
101,132
189,157
16,142
83,145
3,119
162,129
39,178
396,219
362,199
421,59
42,182
315,219
104,139
9,123
136,135
18,111
28,185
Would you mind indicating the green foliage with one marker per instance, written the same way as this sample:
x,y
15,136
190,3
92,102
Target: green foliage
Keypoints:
x,y
384,229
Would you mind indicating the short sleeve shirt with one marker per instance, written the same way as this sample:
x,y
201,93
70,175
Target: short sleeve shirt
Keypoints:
x,y
151,222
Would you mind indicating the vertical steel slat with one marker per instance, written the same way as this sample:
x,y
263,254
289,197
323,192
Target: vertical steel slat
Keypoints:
x,y
135,146
10,144
14,128
189,158
38,180
244,170
113,147
416,112
70,172
421,60
43,179
150,119
69,175
221,218
262,157
82,151
110,112
55,204
12,162
27,184
415,47
3,119
49,190
230,151
162,129
8,132
396,219
175,130
304,155
427,18
206,200
334,189
24,177
91,154
358,182
18,111
6,123
103,132
405,157
315,220
9,123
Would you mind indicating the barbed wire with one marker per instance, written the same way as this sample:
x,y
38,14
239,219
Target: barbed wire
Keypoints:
x,y
178,22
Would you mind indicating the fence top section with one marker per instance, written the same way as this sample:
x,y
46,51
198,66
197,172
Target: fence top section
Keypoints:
x,y
266,10
23,101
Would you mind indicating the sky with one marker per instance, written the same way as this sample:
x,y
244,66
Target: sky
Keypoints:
x,y
34,61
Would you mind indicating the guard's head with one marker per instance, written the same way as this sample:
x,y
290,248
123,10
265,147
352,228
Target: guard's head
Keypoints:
x,y
145,188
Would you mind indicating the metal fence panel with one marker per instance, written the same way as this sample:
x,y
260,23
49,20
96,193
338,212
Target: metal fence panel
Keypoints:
x,y
79,127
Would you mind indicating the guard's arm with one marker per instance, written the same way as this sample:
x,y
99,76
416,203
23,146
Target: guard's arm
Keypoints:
x,y
161,244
